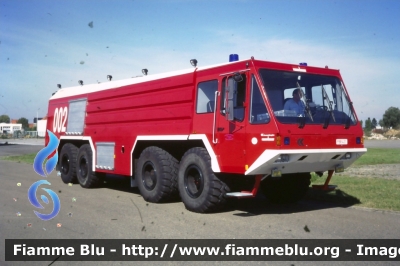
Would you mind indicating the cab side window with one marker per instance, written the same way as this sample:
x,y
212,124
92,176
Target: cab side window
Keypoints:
x,y
258,110
206,96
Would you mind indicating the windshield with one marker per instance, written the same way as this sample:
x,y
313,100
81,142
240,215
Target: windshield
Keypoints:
x,y
307,98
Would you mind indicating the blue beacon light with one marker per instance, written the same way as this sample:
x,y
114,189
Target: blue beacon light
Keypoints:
x,y
233,57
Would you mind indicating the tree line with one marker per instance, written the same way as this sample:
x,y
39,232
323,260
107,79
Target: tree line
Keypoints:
x,y
390,119
22,120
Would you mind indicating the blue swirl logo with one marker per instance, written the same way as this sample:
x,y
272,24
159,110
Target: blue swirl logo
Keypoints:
x,y
44,168
32,198
44,153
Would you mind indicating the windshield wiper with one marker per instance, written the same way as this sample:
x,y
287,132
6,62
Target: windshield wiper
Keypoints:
x,y
351,112
304,99
329,106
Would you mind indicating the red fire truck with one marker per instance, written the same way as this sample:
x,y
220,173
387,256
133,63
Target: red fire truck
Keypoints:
x,y
209,133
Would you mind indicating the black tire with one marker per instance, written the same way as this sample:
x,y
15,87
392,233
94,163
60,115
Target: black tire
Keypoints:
x,y
157,175
86,176
290,188
67,163
200,189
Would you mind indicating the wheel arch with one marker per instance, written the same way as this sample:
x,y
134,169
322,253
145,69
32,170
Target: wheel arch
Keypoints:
x,y
78,141
175,145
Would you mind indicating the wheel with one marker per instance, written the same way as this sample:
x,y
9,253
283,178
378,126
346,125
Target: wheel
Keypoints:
x,y
67,163
200,189
289,188
157,174
86,176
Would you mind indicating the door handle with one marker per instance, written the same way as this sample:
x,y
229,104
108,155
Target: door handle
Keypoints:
x,y
215,141
220,129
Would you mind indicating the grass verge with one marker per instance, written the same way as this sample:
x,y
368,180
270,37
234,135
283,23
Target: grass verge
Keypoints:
x,y
27,158
368,192
379,156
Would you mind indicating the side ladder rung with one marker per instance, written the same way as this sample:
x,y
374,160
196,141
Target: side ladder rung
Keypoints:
x,y
239,194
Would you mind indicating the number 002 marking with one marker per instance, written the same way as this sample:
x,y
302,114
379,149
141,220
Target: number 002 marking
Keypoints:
x,y
60,118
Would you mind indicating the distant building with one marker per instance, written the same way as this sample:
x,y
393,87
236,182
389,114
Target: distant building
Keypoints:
x,y
10,128
41,127
38,118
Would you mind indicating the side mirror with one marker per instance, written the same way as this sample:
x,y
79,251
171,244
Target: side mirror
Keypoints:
x,y
230,91
237,77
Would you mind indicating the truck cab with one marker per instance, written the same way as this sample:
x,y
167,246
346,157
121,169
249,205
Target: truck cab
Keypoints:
x,y
254,123
277,122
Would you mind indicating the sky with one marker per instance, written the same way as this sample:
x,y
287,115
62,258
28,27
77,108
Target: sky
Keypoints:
x,y
48,42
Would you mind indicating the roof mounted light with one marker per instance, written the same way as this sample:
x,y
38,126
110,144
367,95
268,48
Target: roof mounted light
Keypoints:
x,y
193,62
80,82
109,77
302,64
233,57
59,86
145,71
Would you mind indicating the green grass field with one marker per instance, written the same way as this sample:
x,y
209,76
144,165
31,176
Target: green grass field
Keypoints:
x,y
368,192
359,191
28,158
379,156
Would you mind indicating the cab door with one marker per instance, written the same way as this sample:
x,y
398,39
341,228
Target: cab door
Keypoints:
x,y
261,131
231,123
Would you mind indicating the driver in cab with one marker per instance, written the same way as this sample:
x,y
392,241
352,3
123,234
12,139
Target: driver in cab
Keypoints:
x,y
295,103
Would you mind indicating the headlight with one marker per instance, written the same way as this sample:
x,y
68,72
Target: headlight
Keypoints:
x,y
283,158
347,156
